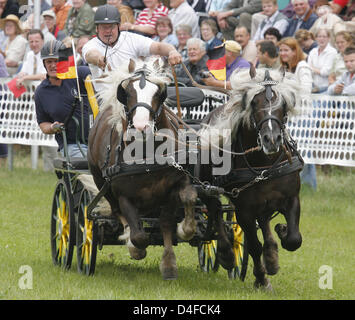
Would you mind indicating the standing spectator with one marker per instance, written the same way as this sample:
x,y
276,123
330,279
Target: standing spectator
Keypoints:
x,y
9,7
209,31
15,43
272,34
267,55
3,147
234,61
32,67
321,60
195,63
61,9
346,84
274,18
306,40
164,31
293,60
303,19
147,19
50,22
343,40
80,20
182,13
183,33
125,11
249,51
237,13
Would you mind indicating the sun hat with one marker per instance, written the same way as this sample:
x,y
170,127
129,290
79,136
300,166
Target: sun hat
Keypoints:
x,y
11,17
49,13
232,46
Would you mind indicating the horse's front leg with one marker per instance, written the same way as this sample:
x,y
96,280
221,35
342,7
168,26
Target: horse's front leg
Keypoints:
x,y
289,234
137,235
187,228
270,249
168,267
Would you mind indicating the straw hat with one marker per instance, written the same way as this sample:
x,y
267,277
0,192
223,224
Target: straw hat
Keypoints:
x,y
232,46
11,17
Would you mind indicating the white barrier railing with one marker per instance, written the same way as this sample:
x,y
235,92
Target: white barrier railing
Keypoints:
x,y
324,127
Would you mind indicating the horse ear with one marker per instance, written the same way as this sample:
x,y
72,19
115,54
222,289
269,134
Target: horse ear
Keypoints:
x,y
283,72
252,71
131,66
156,64
164,94
121,94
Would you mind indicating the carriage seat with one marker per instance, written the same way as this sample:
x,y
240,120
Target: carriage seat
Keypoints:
x,y
74,163
190,97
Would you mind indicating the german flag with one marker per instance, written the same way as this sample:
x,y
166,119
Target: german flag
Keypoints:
x,y
217,62
66,64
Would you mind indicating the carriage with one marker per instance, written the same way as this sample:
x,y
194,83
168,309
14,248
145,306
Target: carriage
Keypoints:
x,y
81,217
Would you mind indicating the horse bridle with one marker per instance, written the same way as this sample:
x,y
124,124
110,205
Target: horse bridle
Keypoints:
x,y
142,73
268,83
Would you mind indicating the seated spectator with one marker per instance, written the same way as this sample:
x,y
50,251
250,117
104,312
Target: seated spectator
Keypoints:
x,y
50,22
268,55
321,60
195,63
344,8
346,84
29,25
134,4
80,61
272,34
304,17
306,40
343,40
61,9
8,7
234,61
183,33
249,51
147,19
209,31
327,20
32,67
164,31
237,13
182,13
80,20
15,43
216,6
125,11
274,18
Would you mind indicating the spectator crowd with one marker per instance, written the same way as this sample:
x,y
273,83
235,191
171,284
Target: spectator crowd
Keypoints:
x,y
311,38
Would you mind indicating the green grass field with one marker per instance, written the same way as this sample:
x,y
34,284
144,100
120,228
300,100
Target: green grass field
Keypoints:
x,y
327,227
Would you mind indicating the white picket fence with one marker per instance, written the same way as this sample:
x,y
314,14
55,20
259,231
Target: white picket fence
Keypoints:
x,y
323,128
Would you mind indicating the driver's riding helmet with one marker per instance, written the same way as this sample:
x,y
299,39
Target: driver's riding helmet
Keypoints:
x,y
51,49
107,14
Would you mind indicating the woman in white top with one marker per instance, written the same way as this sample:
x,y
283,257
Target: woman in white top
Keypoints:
x,y
15,45
321,60
292,59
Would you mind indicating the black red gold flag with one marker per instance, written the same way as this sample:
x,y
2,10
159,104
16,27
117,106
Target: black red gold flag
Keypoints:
x,y
66,64
217,62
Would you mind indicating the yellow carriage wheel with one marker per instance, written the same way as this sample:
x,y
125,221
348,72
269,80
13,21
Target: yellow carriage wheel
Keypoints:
x,y
240,250
62,226
86,236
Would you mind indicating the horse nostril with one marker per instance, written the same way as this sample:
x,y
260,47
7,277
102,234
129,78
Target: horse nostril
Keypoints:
x,y
279,138
266,139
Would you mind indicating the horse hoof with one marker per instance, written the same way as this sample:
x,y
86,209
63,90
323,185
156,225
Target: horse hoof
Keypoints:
x,y
264,285
169,274
226,259
137,254
183,232
140,240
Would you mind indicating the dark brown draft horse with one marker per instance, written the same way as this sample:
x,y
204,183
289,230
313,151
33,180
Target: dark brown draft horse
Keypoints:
x,y
133,103
266,181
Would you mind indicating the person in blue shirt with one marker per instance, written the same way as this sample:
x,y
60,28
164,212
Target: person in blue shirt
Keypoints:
x,y
54,99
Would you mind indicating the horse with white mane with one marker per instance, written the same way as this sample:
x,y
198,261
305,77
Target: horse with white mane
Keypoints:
x,y
265,180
